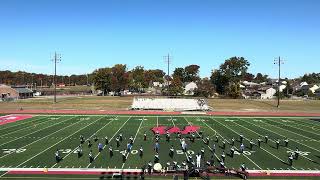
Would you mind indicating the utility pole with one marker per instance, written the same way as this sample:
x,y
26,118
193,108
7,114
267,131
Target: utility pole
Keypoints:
x,y
56,59
168,61
87,79
278,62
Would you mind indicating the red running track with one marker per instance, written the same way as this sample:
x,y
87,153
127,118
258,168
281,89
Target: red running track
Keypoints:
x,y
127,112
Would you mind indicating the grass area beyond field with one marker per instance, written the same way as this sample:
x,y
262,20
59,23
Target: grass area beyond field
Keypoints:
x,y
122,103
32,143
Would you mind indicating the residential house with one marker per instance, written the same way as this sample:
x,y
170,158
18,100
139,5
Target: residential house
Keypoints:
x,y
189,88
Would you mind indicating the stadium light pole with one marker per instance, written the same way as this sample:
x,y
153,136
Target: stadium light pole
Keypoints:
x,y
56,59
278,62
168,61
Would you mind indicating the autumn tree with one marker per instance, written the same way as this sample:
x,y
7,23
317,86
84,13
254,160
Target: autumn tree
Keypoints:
x,y
191,73
227,78
204,88
176,87
179,73
260,78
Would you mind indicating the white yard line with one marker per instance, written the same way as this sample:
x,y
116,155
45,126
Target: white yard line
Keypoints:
x,y
157,121
274,141
295,128
260,147
297,141
172,121
34,131
43,137
22,123
309,122
71,152
203,141
297,122
59,141
185,153
234,146
28,127
110,139
133,142
4,174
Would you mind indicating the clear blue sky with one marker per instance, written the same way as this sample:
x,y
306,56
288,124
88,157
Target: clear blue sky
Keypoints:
x,y
93,34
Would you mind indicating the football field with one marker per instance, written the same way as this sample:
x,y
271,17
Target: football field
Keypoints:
x,y
33,142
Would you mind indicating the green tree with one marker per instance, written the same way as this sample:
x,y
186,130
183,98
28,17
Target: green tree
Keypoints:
x,y
248,77
219,80
102,79
191,73
234,90
288,90
155,75
205,88
119,78
227,78
260,78
282,94
311,78
234,68
176,87
179,73
137,79
111,79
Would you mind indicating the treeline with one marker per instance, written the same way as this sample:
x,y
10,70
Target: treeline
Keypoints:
x,y
313,78
224,80
118,78
34,79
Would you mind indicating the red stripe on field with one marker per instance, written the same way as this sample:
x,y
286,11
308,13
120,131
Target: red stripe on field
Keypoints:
x,y
13,118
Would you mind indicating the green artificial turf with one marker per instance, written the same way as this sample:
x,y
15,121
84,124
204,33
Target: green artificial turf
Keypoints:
x,y
33,142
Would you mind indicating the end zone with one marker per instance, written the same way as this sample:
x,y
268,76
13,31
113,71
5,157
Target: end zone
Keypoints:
x,y
13,118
